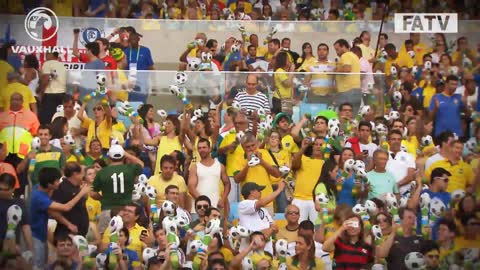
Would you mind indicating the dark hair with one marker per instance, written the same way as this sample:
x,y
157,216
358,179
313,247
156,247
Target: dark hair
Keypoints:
x,y
363,33
71,168
285,39
170,187
48,176
461,211
365,124
209,211
443,137
386,214
250,46
390,46
167,158
303,56
136,206
311,252
31,61
425,56
281,60
275,41
394,131
345,104
56,127
135,149
355,42
203,198
324,178
427,246
356,50
203,140
101,162
126,233
342,43
402,211
142,112
343,151
256,233
105,43
334,12
408,42
449,223
306,225
383,35
61,237
210,43
67,98
452,78
7,179
323,118
46,126
216,261
175,122
408,86
378,202
93,48
180,157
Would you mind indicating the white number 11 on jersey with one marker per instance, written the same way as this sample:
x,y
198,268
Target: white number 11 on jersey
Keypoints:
x,y
121,180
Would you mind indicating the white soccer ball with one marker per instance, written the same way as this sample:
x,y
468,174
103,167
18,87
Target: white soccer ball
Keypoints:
x,y
360,168
148,253
364,110
100,260
391,200
235,47
334,131
36,143
349,165
181,78
425,200
80,242
472,145
322,198
414,261
458,194
281,248
393,115
68,139
414,70
284,170
174,89
427,65
151,192
60,108
333,122
169,208
101,79
162,113
393,71
371,207
381,129
397,96
437,207
411,54
193,64
170,225
116,224
377,232
403,201
426,140
213,227
247,264
253,161
358,209
14,214
196,246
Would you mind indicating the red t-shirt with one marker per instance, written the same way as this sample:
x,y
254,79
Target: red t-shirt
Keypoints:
x,y
110,63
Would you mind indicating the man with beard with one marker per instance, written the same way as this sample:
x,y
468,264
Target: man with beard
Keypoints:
x,y
205,175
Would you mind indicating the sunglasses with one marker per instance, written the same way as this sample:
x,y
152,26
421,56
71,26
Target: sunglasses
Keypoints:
x,y
293,213
204,206
380,220
98,109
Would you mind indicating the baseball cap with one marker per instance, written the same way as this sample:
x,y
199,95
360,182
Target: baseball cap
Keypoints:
x,y
439,172
279,116
132,30
116,151
249,187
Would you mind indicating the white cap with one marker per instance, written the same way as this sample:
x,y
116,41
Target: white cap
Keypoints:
x,y
116,151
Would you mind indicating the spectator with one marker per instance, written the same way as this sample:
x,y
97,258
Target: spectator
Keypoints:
x,y
7,185
307,168
349,245
40,205
46,156
400,164
446,108
76,220
172,194
97,8
202,203
205,176
31,76
348,184
379,179
367,52
5,68
260,173
361,145
53,85
16,86
24,124
443,141
419,48
115,182
304,255
431,253
168,177
307,58
282,97
367,76
65,253
251,100
139,58
445,239
469,239
326,184
396,247
321,83
290,231
396,59
348,86
71,113
462,176
7,167
286,46
92,55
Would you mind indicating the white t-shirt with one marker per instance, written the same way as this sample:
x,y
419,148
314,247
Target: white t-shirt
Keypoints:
x,y
471,100
319,253
366,68
254,220
432,160
59,84
399,166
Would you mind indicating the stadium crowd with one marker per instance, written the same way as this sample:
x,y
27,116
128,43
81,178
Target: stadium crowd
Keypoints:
x,y
386,177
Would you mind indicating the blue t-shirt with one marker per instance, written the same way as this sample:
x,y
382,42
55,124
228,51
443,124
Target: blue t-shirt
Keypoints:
x,y
418,93
345,195
140,55
94,4
236,56
445,197
39,204
448,114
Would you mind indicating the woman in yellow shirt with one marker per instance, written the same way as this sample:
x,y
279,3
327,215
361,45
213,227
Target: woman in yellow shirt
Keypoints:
x,y
411,141
100,127
307,59
283,81
168,142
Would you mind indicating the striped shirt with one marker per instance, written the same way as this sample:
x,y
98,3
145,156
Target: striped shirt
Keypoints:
x,y
253,102
350,257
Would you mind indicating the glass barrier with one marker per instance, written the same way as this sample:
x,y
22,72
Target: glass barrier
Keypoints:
x,y
168,39
294,93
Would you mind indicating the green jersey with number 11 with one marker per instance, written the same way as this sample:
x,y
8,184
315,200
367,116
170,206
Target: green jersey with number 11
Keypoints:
x,y
116,184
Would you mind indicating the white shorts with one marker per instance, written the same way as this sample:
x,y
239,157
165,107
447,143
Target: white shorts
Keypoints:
x,y
307,210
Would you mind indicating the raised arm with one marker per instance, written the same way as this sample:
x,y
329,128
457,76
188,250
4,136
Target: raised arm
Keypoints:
x,y
270,197
69,205
297,157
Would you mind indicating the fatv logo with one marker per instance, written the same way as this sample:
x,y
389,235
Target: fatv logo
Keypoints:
x,y
426,23
39,18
